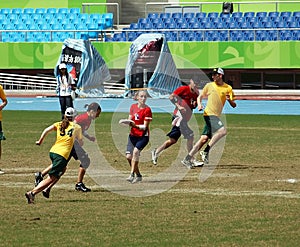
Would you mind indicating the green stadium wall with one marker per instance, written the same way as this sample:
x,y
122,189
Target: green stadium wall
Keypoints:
x,y
229,55
187,55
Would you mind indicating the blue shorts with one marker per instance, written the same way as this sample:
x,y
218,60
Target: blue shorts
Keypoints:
x,y
138,142
183,129
212,124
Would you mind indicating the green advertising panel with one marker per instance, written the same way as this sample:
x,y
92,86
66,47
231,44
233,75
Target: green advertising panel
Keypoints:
x,y
231,55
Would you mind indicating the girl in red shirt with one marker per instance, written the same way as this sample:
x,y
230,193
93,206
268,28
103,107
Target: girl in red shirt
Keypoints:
x,y
138,138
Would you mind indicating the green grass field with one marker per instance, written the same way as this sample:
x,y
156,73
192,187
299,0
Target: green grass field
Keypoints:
x,y
252,197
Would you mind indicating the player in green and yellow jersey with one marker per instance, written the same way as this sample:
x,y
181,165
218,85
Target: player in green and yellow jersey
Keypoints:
x,y
66,133
217,93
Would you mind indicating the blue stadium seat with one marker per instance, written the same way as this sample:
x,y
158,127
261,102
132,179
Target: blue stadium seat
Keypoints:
x,y
44,25
182,25
16,11
198,35
28,11
296,34
52,10
207,25
147,26
134,26
273,14
272,35
293,24
171,36
212,15
280,24
286,35
224,15
268,24
236,35
223,35
188,15
171,20
68,26
248,35
245,25
131,36
159,25
285,14
74,10
21,26
176,15
201,15
195,25
249,14
256,25
165,15
237,14
153,15
261,35
233,25
62,10
109,20
40,11
192,20
261,15
170,25
156,21
5,11
143,20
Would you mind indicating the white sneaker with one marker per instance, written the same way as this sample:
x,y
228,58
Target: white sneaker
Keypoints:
x,y
130,178
204,156
137,179
154,156
187,163
197,163
1,172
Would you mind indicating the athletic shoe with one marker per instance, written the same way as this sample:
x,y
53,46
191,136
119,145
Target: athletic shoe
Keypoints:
x,y
38,178
197,163
30,197
46,193
204,156
187,163
154,157
130,178
81,187
1,172
137,179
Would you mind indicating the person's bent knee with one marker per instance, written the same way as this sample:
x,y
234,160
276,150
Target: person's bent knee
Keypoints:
x,y
85,163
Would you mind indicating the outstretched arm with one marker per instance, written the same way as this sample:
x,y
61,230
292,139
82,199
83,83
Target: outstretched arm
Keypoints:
x,y
45,133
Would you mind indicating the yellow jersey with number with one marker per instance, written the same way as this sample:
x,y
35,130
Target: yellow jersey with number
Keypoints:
x,y
65,139
216,98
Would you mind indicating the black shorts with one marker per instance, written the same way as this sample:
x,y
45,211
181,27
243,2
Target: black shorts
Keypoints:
x,y
138,142
183,129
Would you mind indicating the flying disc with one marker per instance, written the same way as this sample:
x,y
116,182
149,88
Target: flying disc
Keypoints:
x,y
125,122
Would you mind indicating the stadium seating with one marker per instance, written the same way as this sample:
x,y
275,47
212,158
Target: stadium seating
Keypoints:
x,y
177,26
51,19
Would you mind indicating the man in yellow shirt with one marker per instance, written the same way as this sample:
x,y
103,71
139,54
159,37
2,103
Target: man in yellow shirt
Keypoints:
x,y
217,93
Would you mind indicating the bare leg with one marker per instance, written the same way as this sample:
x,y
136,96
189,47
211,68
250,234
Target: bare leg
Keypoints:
x,y
165,145
199,144
217,136
135,161
81,174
